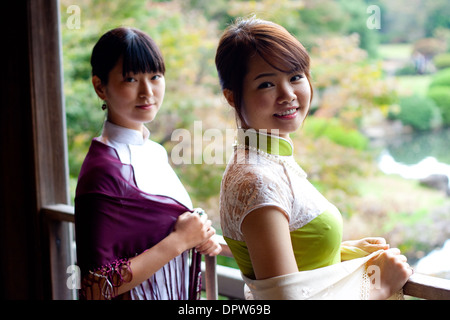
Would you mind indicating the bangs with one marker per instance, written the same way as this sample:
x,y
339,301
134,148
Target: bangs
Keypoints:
x,y
141,55
138,51
286,61
284,53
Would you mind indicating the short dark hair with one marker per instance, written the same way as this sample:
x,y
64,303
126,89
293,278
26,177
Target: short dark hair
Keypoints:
x,y
138,51
249,37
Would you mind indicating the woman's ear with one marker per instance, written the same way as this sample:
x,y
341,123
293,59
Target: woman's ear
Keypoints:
x,y
99,87
229,96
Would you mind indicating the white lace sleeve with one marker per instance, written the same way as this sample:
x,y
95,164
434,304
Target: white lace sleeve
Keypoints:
x,y
246,187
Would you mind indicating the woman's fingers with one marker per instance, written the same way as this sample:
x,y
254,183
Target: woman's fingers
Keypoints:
x,y
210,247
206,244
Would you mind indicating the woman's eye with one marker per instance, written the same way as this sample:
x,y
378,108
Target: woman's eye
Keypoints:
x,y
156,77
265,85
130,79
297,77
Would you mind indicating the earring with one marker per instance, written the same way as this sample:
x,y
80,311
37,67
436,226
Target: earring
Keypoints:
x,y
104,106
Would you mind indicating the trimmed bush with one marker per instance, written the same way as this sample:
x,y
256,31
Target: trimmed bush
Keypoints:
x,y
441,96
442,61
421,113
441,78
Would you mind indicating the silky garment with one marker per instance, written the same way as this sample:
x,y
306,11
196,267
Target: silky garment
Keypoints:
x,y
115,221
347,280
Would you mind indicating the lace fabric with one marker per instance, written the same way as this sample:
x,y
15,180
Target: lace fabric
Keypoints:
x,y
254,179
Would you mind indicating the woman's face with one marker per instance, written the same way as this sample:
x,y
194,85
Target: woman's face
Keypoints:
x,y
132,100
274,100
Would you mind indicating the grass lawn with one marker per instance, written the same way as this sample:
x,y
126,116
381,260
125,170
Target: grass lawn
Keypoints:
x,y
400,51
409,85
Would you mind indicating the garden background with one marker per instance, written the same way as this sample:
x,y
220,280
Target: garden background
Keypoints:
x,y
381,91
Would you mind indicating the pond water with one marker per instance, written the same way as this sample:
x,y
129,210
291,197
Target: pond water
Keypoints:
x,y
437,262
420,152
423,169
418,156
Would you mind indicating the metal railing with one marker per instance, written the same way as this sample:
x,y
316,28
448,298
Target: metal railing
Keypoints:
x,y
225,281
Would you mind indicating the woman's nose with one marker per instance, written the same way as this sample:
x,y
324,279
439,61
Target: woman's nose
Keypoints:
x,y
146,89
286,94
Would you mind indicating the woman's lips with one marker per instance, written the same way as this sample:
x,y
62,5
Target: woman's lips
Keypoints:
x,y
287,114
145,106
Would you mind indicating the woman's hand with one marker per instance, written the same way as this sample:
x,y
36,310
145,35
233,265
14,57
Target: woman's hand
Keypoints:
x,y
195,230
369,245
393,272
210,247
192,229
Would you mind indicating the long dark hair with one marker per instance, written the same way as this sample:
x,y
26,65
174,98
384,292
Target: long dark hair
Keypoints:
x,y
138,51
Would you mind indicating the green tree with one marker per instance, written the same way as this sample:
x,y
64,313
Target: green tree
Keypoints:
x,y
355,22
438,16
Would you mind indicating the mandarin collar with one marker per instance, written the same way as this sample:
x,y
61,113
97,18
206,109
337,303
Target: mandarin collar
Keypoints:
x,y
121,134
268,143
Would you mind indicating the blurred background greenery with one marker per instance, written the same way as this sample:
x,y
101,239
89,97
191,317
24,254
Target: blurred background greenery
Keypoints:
x,y
376,91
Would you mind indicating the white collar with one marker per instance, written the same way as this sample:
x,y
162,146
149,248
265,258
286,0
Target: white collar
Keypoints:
x,y
115,133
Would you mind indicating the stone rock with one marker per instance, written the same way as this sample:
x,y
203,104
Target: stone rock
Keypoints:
x,y
436,181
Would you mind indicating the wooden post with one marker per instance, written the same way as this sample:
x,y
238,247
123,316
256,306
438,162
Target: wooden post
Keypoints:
x,y
211,278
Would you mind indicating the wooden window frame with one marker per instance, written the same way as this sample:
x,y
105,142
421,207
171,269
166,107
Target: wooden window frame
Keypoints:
x,y
34,166
51,154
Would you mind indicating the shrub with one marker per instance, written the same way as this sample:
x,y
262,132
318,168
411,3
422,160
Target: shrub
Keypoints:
x,y
406,70
442,61
421,113
441,96
335,131
441,78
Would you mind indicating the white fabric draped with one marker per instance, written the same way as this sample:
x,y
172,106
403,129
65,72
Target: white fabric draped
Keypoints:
x,y
347,280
